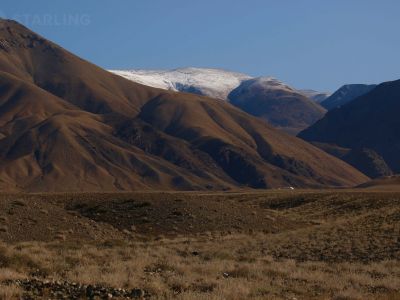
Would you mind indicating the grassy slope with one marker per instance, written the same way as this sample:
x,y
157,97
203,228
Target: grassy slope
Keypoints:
x,y
274,245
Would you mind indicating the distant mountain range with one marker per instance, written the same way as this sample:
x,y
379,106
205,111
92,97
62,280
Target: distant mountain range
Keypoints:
x,y
346,94
68,125
315,95
265,97
365,132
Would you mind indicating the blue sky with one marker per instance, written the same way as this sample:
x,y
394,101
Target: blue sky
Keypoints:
x,y
317,44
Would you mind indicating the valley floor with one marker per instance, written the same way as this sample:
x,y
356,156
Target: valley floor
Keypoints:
x,y
338,244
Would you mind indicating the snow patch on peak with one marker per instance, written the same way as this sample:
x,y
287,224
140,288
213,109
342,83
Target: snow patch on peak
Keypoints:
x,y
209,82
215,83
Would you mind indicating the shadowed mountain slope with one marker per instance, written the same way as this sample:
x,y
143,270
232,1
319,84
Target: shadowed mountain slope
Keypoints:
x,y
346,94
367,125
277,103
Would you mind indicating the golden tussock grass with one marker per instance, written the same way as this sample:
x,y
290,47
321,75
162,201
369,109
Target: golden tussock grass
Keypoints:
x,y
345,246
203,268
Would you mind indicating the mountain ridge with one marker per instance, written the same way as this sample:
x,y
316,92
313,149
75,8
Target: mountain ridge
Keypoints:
x,y
346,94
68,125
272,97
315,95
368,123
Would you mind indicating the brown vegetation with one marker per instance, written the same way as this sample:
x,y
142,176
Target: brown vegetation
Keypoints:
x,y
302,244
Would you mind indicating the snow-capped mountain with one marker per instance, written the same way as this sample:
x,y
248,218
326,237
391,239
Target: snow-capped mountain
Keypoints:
x,y
214,83
264,97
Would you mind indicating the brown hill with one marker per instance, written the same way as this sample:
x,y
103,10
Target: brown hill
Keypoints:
x,y
369,126
364,159
383,183
68,125
279,104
